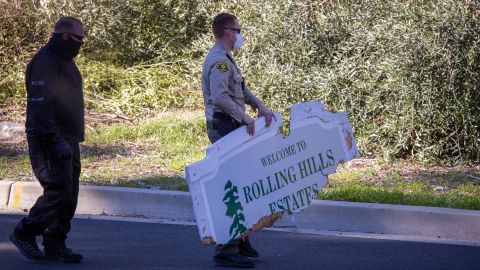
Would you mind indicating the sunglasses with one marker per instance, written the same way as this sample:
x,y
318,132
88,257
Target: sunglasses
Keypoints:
x,y
80,38
236,29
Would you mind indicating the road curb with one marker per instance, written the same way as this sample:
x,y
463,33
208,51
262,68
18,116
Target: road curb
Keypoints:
x,y
5,193
402,220
369,218
116,201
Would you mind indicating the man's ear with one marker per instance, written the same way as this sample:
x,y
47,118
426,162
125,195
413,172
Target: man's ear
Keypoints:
x,y
65,36
227,33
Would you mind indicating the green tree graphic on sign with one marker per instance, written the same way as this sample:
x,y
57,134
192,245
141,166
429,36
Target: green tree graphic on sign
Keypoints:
x,y
234,210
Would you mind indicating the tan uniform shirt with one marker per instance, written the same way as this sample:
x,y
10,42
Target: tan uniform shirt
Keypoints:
x,y
223,87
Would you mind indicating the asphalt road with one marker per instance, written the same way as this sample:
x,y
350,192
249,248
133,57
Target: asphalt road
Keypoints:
x,y
132,245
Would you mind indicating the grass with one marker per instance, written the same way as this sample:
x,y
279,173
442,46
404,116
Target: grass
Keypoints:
x,y
416,194
15,168
405,183
152,153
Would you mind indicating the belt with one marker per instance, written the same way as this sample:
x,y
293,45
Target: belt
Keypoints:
x,y
224,117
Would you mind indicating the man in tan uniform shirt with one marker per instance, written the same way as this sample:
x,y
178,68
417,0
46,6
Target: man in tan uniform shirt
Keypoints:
x,y
225,95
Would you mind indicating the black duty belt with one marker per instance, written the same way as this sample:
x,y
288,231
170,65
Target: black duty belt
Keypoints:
x,y
224,117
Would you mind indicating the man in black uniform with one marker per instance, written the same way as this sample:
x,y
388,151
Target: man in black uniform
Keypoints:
x,y
55,127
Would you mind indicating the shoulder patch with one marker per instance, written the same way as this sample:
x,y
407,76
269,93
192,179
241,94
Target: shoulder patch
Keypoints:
x,y
222,66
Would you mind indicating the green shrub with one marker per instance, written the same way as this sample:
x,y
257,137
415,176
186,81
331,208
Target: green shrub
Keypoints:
x,y
406,71
138,89
135,31
23,28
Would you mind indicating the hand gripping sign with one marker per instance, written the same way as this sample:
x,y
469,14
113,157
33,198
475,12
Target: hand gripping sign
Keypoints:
x,y
247,182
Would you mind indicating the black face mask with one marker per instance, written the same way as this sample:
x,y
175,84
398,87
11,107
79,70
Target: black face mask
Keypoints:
x,y
67,49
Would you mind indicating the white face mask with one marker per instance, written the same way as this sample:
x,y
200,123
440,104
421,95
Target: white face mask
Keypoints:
x,y
238,41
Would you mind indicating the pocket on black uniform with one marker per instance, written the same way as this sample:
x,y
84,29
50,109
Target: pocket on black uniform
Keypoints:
x,y
38,159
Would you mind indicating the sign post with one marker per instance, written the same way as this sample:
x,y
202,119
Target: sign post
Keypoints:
x,y
247,182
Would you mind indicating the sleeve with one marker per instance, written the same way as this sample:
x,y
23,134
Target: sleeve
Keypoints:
x,y
220,74
40,84
250,98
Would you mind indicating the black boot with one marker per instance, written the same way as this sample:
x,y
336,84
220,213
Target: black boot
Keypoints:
x,y
62,254
245,248
233,261
27,246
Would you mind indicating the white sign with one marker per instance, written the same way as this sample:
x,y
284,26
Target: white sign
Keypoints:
x,y
246,182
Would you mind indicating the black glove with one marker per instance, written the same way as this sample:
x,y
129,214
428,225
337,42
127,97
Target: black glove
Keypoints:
x,y
62,149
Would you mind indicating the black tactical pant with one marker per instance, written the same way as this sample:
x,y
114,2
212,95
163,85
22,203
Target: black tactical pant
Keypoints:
x,y
219,126
53,211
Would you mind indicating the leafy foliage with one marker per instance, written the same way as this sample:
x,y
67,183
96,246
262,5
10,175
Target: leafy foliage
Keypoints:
x,y
137,31
407,72
22,31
